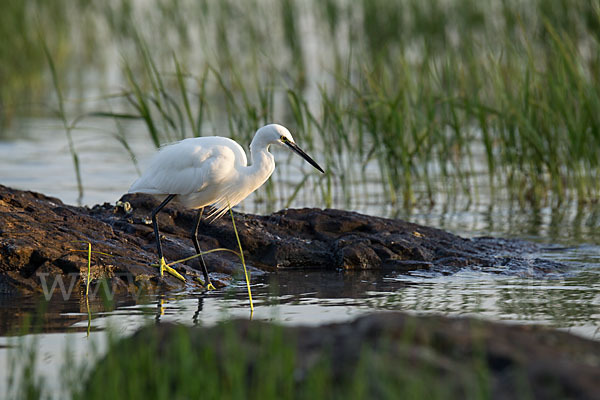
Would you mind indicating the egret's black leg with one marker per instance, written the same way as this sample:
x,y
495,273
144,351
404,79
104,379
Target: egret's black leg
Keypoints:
x,y
160,309
161,260
198,310
207,282
155,223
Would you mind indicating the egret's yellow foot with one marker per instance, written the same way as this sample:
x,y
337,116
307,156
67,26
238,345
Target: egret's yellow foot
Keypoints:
x,y
164,267
208,287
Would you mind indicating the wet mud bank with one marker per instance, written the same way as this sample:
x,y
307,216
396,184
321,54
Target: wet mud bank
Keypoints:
x,y
42,239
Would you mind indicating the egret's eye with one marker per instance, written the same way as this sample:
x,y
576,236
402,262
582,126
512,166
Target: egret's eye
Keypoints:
x,y
283,139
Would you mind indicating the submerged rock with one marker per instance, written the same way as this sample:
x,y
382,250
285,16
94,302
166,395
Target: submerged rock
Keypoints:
x,y
42,239
384,355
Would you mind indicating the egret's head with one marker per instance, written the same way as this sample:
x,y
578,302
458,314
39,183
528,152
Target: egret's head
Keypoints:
x,y
277,134
283,135
273,134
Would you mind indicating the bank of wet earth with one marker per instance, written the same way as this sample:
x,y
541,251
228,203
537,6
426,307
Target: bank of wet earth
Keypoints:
x,y
42,239
385,355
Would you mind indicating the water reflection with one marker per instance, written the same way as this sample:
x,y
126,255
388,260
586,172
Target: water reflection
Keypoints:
x,y
35,314
572,302
566,302
290,286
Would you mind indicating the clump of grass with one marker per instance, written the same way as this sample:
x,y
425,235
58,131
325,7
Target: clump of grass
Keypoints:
x,y
257,360
397,95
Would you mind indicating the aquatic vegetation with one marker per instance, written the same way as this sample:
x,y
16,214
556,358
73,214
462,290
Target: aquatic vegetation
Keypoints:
x,y
422,98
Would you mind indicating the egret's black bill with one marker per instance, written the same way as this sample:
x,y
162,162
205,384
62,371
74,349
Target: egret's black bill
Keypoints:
x,y
298,150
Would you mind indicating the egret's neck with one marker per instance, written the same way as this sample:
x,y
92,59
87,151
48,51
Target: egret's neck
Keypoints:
x,y
261,167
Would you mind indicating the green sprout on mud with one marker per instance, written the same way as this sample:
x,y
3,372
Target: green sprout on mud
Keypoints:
x,y
89,262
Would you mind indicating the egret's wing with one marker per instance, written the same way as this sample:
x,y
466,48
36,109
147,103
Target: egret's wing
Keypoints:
x,y
184,168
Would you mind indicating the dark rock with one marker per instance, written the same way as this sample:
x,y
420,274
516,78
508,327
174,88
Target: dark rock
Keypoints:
x,y
390,354
40,234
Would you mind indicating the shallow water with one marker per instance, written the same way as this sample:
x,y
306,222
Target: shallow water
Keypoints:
x,y
40,161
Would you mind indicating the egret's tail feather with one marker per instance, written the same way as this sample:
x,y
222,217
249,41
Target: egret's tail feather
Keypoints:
x,y
216,213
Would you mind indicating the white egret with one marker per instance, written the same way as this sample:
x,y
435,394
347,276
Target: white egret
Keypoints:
x,y
211,170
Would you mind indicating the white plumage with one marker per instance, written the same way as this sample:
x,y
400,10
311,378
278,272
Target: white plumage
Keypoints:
x,y
213,170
